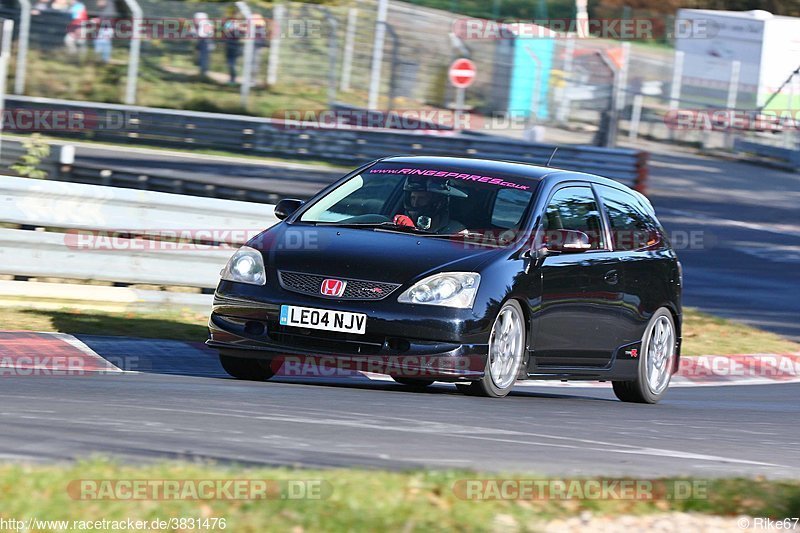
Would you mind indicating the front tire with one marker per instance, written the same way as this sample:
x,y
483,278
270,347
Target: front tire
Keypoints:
x,y
657,360
506,352
246,369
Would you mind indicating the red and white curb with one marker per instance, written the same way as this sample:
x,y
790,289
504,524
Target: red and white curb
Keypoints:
x,y
25,353
30,353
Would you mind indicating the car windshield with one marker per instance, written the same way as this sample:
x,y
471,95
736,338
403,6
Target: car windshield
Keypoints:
x,y
426,201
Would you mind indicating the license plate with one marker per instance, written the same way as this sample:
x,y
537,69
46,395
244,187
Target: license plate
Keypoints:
x,y
325,319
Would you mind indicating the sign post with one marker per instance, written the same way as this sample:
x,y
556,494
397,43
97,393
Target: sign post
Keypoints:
x,y
5,55
461,74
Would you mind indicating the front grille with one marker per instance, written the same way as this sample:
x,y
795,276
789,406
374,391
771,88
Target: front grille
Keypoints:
x,y
355,289
331,342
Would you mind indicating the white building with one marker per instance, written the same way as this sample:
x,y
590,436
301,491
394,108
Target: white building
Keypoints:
x,y
767,47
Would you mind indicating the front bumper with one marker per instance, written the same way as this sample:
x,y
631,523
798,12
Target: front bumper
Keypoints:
x,y
250,329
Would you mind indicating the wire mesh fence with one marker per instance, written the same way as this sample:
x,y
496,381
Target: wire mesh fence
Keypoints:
x,y
292,60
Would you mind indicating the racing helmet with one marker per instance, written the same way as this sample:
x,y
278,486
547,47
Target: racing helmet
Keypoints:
x,y
426,197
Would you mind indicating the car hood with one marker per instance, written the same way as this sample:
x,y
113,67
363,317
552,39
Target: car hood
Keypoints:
x,y
365,254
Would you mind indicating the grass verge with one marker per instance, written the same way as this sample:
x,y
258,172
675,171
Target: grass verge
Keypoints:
x,y
358,500
703,334
175,325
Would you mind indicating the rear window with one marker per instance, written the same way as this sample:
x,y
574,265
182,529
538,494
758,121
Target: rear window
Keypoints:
x,y
632,228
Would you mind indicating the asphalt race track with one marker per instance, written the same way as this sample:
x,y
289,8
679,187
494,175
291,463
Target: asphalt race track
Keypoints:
x,y
333,422
179,406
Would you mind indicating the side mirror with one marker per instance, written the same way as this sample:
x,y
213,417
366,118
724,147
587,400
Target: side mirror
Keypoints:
x,y
568,241
286,207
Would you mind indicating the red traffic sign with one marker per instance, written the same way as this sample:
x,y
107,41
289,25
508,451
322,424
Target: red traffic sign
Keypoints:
x,y
462,73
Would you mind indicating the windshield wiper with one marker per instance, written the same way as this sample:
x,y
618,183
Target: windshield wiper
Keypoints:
x,y
473,238
386,226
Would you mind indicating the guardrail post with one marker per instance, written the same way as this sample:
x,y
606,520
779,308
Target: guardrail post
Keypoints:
x,y
5,55
733,90
278,13
333,55
675,87
135,50
562,113
623,76
22,46
636,116
66,161
377,55
607,134
677,80
642,173
789,140
393,69
249,47
349,45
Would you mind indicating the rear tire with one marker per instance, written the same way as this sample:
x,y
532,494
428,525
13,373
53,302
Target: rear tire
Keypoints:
x,y
507,345
414,383
657,360
246,369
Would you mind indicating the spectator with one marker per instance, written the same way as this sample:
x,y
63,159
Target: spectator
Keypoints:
x,y
105,32
232,45
75,40
204,32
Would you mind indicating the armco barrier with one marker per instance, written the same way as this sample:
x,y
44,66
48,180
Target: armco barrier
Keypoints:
x,y
787,158
344,145
274,182
63,208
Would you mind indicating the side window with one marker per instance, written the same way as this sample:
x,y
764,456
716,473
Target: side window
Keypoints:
x,y
509,207
574,208
631,227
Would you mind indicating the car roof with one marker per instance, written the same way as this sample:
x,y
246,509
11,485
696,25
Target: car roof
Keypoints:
x,y
535,173
523,170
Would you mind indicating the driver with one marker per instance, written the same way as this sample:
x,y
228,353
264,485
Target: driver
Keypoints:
x,y
427,204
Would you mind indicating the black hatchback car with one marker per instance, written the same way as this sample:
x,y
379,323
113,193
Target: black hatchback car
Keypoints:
x,y
470,271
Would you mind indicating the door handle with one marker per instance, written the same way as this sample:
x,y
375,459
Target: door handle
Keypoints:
x,y
611,277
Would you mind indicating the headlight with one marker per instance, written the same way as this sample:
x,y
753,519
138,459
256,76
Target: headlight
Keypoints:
x,y
246,266
448,289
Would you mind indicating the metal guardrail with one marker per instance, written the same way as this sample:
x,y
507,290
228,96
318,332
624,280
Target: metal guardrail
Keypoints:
x,y
783,157
276,182
284,183
344,145
108,233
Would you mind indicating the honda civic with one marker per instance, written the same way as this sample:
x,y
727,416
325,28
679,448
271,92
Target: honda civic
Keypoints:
x,y
475,272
